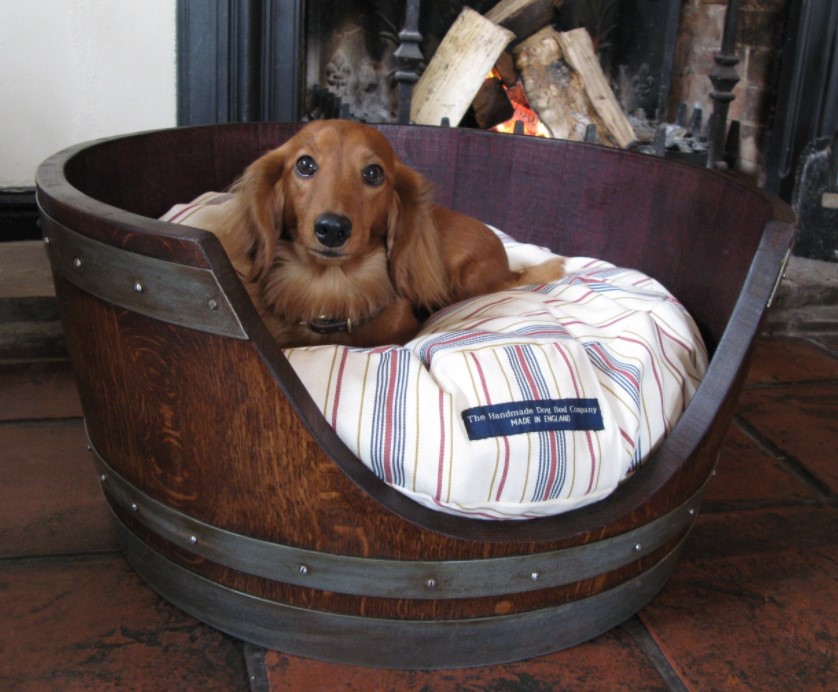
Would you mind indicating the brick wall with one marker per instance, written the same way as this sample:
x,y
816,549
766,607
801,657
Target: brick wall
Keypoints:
x,y
759,39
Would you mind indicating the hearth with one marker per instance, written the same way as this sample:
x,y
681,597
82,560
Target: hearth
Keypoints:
x,y
243,60
350,48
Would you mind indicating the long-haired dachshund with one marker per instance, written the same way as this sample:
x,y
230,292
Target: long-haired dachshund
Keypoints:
x,y
337,241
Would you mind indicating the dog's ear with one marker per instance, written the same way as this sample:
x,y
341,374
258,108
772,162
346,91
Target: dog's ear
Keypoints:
x,y
260,200
417,269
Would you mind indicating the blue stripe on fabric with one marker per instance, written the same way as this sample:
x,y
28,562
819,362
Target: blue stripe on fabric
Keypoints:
x,y
395,419
616,370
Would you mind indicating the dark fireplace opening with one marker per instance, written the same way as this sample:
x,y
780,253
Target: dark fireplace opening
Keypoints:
x,y
350,48
350,59
246,60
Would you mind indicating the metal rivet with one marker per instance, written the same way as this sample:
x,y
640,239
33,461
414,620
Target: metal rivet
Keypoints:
x,y
138,287
638,547
77,263
102,478
534,576
46,239
303,569
431,583
213,304
691,512
134,507
193,540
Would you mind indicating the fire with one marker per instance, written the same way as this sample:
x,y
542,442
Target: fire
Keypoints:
x,y
523,112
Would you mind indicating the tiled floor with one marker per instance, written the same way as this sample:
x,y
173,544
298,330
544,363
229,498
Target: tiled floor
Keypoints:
x,y
752,603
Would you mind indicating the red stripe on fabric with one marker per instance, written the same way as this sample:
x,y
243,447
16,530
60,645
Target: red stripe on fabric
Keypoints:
x,y
587,294
441,460
505,472
482,377
187,209
553,449
338,387
609,359
601,325
519,351
588,432
655,373
554,457
593,460
473,513
569,368
661,334
672,337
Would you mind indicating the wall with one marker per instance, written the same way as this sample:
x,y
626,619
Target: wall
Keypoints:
x,y
76,70
759,39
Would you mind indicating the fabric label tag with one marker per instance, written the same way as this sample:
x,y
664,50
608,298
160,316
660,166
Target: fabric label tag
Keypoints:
x,y
498,420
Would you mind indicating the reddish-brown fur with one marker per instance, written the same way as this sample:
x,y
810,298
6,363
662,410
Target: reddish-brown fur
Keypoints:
x,y
404,254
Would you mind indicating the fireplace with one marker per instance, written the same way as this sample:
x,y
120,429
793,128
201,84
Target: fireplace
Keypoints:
x,y
291,59
350,49
252,60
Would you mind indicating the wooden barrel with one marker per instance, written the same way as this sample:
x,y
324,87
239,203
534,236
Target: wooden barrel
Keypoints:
x,y
236,500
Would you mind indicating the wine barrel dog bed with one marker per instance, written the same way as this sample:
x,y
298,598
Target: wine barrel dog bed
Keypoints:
x,y
235,497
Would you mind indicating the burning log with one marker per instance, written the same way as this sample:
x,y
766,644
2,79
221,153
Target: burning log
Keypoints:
x,y
458,69
523,17
567,88
491,105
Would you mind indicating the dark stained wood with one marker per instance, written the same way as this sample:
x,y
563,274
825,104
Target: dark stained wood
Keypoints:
x,y
404,608
223,429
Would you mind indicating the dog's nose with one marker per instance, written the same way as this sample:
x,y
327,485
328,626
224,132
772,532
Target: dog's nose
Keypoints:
x,y
332,229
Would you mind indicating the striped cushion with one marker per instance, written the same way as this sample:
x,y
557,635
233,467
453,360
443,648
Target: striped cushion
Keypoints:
x,y
520,404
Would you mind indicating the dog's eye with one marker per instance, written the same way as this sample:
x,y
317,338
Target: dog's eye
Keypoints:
x,y
373,174
306,166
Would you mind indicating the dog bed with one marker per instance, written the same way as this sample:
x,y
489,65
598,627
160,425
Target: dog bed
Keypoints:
x,y
236,500
519,404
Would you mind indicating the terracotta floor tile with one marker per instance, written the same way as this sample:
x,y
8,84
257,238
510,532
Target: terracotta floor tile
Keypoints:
x,y
747,475
612,661
801,420
751,604
38,390
788,359
92,624
50,500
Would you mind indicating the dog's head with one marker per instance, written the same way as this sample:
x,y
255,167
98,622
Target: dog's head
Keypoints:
x,y
338,192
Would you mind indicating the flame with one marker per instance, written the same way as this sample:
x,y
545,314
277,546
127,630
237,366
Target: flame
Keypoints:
x,y
523,112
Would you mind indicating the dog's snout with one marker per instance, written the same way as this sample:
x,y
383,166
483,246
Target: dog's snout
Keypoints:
x,y
332,230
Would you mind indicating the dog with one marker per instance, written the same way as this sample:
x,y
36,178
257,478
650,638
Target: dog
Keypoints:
x,y
338,242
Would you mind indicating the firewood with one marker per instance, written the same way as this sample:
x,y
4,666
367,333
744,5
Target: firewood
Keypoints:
x,y
579,51
457,70
567,88
491,105
523,17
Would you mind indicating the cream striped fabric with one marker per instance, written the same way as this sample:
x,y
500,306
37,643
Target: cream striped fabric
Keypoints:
x,y
565,388
519,404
